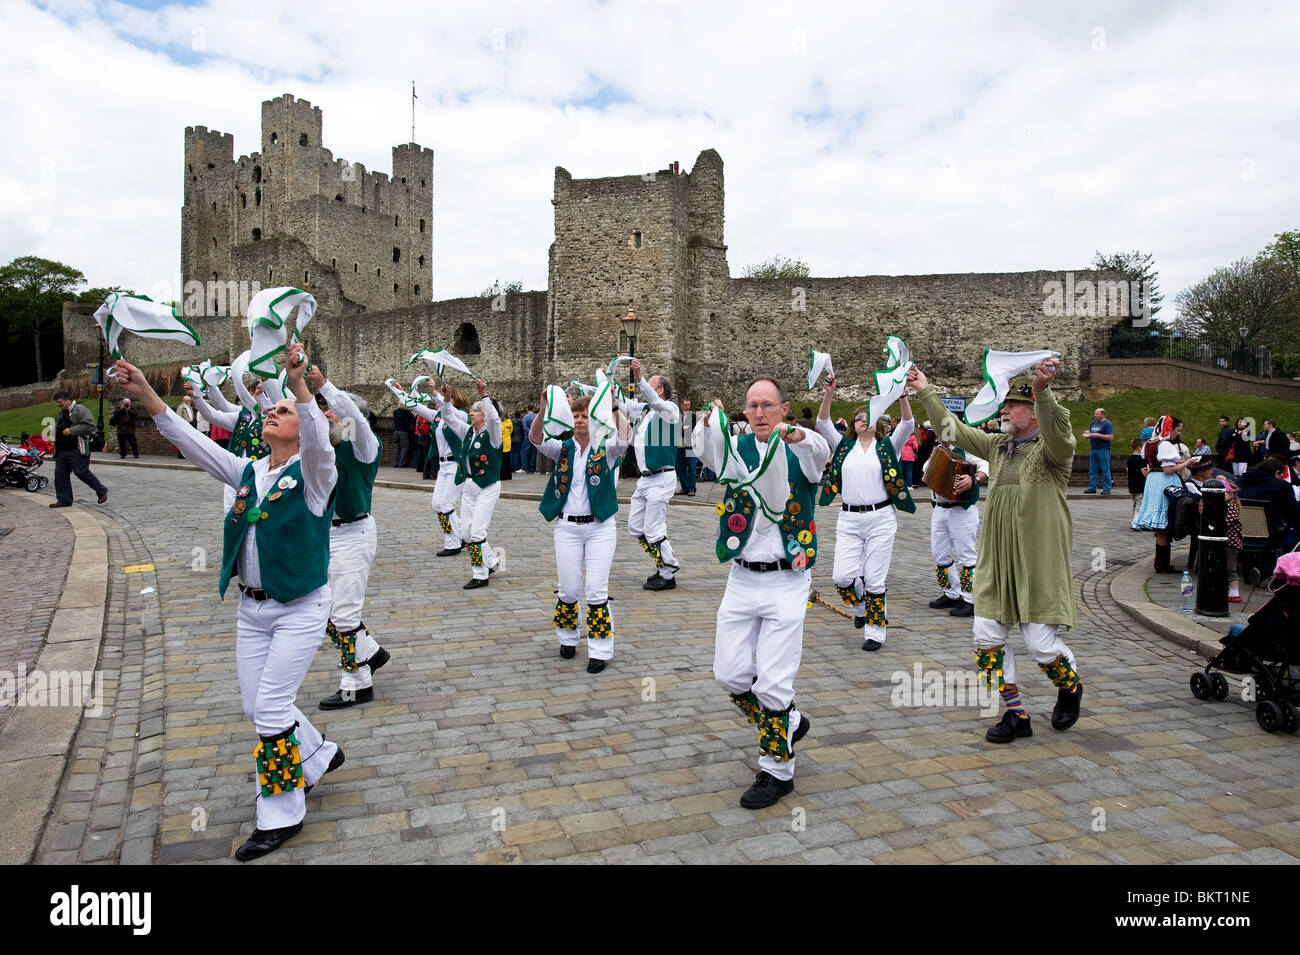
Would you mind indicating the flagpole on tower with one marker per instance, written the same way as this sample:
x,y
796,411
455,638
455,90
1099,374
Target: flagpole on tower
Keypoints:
x,y
410,201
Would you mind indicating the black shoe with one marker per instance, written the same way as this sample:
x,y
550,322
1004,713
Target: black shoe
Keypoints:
x,y
378,659
57,504
871,644
335,763
1066,712
943,602
1008,728
595,666
449,552
660,583
766,791
1091,490
475,583
339,701
652,577
1105,493
568,653
963,609
265,841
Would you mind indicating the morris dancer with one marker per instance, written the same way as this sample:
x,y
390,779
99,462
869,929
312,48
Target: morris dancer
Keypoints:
x,y
582,493
353,537
656,461
276,538
448,440
760,621
865,470
479,461
954,529
1023,567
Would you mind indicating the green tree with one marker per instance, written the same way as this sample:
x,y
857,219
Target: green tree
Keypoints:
x,y
496,288
1284,252
96,296
1140,268
1240,306
32,293
778,268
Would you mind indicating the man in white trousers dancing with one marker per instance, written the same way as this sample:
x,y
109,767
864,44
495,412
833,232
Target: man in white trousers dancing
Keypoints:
x,y
655,445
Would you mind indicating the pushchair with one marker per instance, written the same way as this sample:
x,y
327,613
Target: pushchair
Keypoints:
x,y
20,462
1267,649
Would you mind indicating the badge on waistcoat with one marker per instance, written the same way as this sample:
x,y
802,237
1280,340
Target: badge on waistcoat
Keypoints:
x,y
243,491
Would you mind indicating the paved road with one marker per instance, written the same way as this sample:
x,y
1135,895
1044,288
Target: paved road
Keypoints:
x,y
483,745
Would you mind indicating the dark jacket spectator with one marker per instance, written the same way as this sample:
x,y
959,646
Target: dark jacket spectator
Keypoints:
x,y
1264,483
403,429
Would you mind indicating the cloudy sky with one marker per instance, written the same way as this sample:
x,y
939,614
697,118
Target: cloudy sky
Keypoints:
x,y
864,138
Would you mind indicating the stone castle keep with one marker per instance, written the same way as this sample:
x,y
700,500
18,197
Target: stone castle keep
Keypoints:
x,y
361,243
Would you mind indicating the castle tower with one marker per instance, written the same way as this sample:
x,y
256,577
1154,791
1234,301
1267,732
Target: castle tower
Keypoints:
x,y
632,240
291,214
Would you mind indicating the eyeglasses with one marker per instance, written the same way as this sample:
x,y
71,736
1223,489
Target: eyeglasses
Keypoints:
x,y
765,407
860,417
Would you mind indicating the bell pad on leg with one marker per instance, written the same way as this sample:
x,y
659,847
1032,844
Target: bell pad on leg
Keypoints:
x,y
1061,673
279,766
654,550
967,577
774,734
566,615
599,624
941,575
332,632
989,663
476,554
874,609
849,596
444,520
347,644
747,702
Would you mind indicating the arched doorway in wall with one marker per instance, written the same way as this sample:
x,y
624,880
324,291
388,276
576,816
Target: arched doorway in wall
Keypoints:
x,y
467,342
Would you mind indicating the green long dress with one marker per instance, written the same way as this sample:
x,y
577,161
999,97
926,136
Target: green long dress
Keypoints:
x,y
1022,567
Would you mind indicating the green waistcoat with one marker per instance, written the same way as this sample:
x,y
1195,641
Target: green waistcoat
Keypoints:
x,y
891,473
246,440
478,460
599,475
660,443
738,510
293,544
356,481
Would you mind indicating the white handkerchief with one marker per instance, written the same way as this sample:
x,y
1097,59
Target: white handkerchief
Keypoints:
x,y
821,361
268,312
999,368
146,318
557,416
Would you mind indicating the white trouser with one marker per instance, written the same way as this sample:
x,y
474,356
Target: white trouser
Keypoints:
x,y
446,492
759,643
476,507
273,653
352,552
864,546
1041,641
648,515
585,549
953,532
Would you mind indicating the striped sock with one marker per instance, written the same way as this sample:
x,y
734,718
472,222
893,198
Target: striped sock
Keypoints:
x,y
1011,697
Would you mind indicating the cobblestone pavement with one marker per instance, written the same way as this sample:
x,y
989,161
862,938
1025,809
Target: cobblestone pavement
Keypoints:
x,y
35,547
483,745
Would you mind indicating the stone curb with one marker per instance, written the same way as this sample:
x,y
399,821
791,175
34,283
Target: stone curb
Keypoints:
x,y
36,742
1128,590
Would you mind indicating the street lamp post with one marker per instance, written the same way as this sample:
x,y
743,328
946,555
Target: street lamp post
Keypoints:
x,y
1244,332
631,325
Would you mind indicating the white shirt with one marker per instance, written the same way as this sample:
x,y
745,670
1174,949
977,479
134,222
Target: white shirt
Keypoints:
x,y
861,480
317,464
365,446
449,415
657,424
222,419
765,544
578,503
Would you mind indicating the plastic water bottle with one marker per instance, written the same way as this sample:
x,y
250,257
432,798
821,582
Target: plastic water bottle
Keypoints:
x,y
1188,595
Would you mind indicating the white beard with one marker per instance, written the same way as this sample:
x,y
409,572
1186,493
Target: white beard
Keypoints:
x,y
1009,428
336,433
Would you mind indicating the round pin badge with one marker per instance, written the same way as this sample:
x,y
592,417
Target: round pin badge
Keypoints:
x,y
733,543
239,507
594,480
737,523
275,496
719,508
254,515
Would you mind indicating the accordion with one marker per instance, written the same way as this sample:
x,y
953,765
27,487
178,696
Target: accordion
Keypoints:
x,y
944,468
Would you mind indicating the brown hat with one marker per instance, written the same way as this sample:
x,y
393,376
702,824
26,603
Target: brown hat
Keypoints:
x,y
1021,389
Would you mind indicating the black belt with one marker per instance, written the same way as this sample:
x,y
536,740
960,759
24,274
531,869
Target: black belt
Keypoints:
x,y
763,568
944,504
859,508
255,594
660,471
339,522
580,518
450,457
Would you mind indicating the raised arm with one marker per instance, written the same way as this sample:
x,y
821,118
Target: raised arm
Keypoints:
x,y
315,453
363,439
491,420
813,452
708,438
222,419
220,402
946,426
906,426
452,416
666,409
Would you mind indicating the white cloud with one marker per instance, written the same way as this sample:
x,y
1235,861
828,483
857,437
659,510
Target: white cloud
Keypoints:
x,y
871,140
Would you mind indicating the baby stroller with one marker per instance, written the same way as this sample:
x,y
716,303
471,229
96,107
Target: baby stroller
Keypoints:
x,y
20,462
1267,649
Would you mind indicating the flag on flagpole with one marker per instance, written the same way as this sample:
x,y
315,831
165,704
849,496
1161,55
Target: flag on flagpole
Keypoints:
x,y
142,316
267,314
999,368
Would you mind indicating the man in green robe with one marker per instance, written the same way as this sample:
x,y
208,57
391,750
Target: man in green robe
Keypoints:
x,y
1022,571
